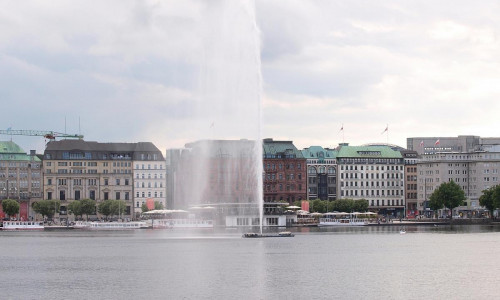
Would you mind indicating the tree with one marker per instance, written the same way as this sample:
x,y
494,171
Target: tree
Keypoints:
x,y
10,207
144,208
448,194
360,205
318,206
104,208
47,208
88,207
117,207
75,208
491,199
158,205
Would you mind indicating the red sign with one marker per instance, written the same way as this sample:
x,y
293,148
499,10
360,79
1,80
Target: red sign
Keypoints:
x,y
23,211
150,203
305,205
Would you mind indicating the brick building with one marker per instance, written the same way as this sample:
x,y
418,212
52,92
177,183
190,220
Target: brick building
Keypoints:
x,y
284,172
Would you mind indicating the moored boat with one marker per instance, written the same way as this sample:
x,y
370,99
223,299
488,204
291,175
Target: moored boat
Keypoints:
x,y
266,235
342,219
110,225
22,225
182,223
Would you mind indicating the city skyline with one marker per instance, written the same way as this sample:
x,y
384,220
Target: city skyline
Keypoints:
x,y
131,76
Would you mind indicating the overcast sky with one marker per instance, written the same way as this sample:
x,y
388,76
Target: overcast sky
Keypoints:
x,y
133,70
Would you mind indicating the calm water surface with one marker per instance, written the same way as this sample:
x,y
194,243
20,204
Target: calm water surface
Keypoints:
x,y
332,263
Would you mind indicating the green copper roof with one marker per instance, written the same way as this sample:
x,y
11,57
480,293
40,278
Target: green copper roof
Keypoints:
x,y
318,152
277,148
368,152
10,147
12,152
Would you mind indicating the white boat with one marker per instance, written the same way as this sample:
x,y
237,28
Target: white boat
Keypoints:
x,y
342,219
182,223
23,225
110,225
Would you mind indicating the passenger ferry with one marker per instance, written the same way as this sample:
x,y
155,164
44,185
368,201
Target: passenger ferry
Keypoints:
x,y
181,223
110,225
23,225
342,219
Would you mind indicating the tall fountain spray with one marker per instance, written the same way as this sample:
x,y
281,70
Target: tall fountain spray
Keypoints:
x,y
224,166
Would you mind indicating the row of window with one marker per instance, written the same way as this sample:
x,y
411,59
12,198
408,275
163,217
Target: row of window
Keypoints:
x,y
392,202
280,187
149,184
369,193
373,176
14,164
143,176
280,176
289,166
371,168
321,170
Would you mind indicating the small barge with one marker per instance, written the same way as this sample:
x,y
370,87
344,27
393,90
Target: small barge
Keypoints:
x,y
265,235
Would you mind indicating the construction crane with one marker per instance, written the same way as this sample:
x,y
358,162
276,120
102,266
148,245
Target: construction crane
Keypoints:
x,y
51,135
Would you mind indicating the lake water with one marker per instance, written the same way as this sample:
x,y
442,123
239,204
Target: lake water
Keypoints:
x,y
318,263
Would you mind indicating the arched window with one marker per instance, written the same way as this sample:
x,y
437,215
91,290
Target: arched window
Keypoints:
x,y
331,170
311,170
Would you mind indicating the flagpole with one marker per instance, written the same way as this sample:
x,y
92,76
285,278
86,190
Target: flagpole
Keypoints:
x,y
387,134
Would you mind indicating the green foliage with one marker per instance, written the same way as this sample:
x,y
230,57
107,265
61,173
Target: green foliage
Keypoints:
x,y
448,195
104,208
317,206
117,207
298,203
491,199
75,208
112,208
158,205
47,208
341,205
10,207
144,207
88,207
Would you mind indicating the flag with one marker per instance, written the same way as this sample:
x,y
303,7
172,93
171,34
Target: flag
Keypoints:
x,y
436,143
386,129
421,144
341,128
212,125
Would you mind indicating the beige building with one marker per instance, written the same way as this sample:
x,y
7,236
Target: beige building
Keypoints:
x,y
76,169
474,172
374,173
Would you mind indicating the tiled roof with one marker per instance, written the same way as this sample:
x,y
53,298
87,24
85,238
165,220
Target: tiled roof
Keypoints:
x,y
368,152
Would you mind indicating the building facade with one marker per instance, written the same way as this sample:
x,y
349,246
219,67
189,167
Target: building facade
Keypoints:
x,y
20,178
321,173
411,159
284,177
460,144
149,172
473,172
374,173
77,169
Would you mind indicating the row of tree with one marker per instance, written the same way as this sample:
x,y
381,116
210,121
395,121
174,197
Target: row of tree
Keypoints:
x,y
48,208
341,205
